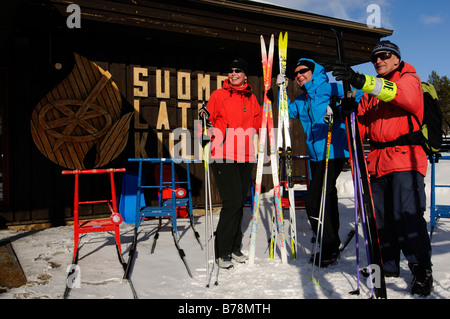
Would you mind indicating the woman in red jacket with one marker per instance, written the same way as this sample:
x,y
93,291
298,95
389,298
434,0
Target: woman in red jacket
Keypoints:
x,y
236,117
396,171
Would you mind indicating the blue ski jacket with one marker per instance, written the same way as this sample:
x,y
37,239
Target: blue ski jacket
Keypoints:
x,y
311,108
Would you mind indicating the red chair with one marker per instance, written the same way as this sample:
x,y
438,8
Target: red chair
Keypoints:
x,y
99,225
166,195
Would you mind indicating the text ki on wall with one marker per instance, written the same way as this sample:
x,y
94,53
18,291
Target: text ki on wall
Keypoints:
x,y
180,140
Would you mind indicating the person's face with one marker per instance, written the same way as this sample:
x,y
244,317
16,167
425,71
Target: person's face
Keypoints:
x,y
385,62
236,77
302,75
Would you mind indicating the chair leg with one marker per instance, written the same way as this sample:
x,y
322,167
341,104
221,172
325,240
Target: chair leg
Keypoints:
x,y
76,239
174,224
117,235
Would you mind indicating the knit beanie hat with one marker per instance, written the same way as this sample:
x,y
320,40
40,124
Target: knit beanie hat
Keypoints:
x,y
307,63
387,46
239,63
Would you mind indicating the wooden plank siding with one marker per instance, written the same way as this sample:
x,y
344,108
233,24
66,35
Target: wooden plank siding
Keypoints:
x,y
198,37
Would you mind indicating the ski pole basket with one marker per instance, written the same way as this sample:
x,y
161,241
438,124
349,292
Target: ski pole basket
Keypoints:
x,y
97,225
436,211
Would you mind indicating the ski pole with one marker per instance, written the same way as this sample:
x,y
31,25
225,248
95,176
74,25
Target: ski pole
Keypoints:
x,y
322,202
209,230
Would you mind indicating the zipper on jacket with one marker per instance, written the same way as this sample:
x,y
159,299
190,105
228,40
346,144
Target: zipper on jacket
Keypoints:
x,y
312,134
225,136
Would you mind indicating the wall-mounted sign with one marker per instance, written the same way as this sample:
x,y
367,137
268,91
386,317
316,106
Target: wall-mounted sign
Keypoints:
x,y
82,112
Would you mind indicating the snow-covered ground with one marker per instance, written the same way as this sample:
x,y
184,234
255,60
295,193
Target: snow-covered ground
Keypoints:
x,y
46,254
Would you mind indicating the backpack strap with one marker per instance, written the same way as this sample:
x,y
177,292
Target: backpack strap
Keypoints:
x,y
411,138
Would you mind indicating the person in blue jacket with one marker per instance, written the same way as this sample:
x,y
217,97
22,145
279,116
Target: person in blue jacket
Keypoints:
x,y
314,110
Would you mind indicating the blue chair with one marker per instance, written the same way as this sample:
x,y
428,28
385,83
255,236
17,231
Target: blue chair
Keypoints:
x,y
436,211
168,207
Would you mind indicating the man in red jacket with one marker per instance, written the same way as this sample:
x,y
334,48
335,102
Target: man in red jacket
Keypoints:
x,y
396,171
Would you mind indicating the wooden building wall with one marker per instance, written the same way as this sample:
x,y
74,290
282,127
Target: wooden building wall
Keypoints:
x,y
140,60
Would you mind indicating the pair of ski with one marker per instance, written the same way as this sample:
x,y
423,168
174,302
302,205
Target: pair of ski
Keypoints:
x,y
364,209
284,135
267,129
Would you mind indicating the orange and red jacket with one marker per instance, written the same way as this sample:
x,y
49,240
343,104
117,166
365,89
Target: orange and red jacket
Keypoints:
x,y
384,117
236,117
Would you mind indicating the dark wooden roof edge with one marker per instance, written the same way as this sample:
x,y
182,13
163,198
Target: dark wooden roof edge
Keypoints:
x,y
287,13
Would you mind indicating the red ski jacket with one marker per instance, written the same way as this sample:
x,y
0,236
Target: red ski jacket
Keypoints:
x,y
236,117
381,121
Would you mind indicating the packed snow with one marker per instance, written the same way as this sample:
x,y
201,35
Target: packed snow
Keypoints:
x,y
46,255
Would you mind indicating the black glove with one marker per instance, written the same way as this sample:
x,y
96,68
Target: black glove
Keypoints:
x,y
343,72
348,106
203,113
334,104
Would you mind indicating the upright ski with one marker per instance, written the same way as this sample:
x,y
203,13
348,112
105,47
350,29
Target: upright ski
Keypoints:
x,y
363,197
284,135
267,124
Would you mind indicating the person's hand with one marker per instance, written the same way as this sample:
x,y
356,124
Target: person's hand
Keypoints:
x,y
343,72
281,79
203,113
328,115
349,105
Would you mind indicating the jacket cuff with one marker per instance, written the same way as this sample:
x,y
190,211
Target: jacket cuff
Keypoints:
x,y
381,88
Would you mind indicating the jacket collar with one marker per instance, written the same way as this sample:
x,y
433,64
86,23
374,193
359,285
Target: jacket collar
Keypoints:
x,y
245,89
402,69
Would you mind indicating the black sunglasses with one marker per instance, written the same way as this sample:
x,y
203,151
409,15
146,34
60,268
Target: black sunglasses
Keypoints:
x,y
301,71
235,70
383,56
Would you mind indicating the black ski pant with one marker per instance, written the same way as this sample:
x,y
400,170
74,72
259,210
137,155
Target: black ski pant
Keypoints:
x,y
399,202
233,182
330,241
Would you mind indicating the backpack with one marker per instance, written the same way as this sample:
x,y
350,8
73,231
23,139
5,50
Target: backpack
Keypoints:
x,y
432,120
430,135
